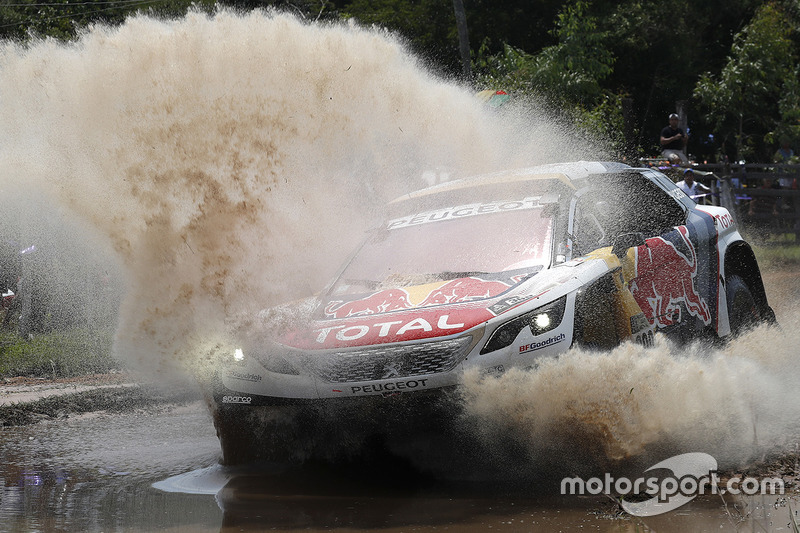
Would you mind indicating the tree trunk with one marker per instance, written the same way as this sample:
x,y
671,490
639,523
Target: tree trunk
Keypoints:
x,y
463,37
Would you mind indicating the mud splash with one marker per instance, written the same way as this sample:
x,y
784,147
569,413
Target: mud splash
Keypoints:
x,y
230,160
604,409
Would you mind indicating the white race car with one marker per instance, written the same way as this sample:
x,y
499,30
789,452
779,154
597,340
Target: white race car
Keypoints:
x,y
491,273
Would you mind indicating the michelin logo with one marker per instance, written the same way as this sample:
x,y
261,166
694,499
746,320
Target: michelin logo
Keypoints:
x,y
532,347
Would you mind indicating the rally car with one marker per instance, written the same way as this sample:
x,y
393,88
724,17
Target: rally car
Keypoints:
x,y
491,273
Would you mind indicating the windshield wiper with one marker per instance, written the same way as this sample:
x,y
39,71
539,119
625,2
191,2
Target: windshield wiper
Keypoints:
x,y
448,274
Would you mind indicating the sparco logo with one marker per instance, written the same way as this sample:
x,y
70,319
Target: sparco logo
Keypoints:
x,y
237,399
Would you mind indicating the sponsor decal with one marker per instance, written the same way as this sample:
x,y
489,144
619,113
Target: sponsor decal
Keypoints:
x,y
237,399
495,370
464,290
509,303
385,329
532,347
641,330
255,378
665,278
379,302
386,301
462,211
724,221
392,386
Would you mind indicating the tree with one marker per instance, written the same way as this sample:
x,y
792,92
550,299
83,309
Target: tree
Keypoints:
x,y
428,25
567,74
63,19
463,36
757,89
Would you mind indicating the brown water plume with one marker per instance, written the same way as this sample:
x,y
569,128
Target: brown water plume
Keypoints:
x,y
231,160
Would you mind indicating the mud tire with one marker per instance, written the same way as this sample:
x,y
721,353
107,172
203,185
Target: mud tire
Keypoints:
x,y
743,311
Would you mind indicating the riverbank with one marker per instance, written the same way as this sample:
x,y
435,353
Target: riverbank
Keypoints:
x,y
26,400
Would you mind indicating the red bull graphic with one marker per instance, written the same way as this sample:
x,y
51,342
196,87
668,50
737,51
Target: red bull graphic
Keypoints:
x,y
386,301
464,290
665,279
379,302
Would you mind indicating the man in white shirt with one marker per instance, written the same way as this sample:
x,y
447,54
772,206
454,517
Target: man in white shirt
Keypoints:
x,y
692,188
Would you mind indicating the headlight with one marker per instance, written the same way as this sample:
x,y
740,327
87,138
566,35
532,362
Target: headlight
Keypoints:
x,y
540,320
267,358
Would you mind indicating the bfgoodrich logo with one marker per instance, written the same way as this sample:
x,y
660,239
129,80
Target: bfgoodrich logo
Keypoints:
x,y
532,347
692,474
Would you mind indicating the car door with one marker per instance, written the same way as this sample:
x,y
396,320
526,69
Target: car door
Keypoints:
x,y
676,269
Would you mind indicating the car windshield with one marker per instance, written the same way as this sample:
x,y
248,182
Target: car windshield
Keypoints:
x,y
501,239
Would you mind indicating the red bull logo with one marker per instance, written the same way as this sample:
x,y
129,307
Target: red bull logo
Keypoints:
x,y
665,279
463,290
379,302
455,291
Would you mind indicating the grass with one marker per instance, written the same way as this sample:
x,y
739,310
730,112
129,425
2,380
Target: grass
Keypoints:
x,y
70,353
777,257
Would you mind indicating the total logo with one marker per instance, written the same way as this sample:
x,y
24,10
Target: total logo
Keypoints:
x,y
384,329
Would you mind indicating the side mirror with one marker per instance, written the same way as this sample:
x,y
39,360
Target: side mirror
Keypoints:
x,y
625,241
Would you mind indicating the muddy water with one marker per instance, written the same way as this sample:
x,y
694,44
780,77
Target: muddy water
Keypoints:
x,y
158,472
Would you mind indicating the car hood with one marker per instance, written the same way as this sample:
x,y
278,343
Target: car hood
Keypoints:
x,y
432,310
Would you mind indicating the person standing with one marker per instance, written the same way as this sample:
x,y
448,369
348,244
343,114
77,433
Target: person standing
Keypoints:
x,y
673,141
693,189
785,152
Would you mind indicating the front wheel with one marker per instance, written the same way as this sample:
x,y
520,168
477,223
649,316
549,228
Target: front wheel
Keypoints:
x,y
743,312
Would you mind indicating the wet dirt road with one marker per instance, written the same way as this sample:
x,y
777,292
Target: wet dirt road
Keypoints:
x,y
157,470
97,473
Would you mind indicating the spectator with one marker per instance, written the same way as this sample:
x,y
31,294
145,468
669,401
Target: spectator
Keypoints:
x,y
693,189
673,141
785,152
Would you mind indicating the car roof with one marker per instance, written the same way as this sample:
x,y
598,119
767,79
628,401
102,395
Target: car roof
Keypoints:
x,y
568,173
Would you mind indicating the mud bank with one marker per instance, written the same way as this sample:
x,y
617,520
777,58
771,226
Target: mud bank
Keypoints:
x,y
26,400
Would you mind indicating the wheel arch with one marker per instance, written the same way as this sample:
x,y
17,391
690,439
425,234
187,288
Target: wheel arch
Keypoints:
x,y
741,261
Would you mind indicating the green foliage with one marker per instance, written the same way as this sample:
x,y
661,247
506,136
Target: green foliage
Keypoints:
x,y
755,97
579,62
569,72
63,354
429,25
62,19
605,121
